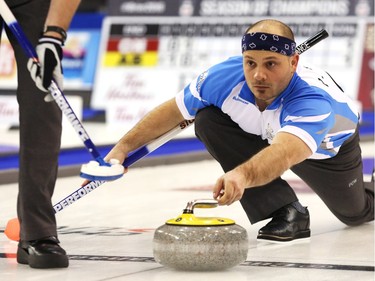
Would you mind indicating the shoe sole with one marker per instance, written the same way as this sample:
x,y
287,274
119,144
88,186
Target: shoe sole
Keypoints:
x,y
45,261
290,242
300,236
22,256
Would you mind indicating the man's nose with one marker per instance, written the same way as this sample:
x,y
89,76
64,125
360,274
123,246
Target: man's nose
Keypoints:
x,y
259,74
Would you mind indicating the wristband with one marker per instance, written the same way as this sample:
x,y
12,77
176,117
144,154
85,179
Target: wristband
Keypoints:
x,y
56,29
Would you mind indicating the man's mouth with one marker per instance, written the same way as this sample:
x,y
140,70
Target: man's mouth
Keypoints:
x,y
261,87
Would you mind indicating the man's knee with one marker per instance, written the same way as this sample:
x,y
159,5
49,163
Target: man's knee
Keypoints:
x,y
205,119
366,215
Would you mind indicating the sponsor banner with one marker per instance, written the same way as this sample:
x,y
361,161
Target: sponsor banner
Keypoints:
x,y
133,92
152,7
79,58
289,8
79,54
9,113
366,86
8,67
214,8
81,50
136,51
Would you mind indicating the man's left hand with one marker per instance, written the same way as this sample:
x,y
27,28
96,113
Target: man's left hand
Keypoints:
x,y
49,51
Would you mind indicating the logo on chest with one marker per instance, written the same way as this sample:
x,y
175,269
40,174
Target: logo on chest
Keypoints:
x,y
269,133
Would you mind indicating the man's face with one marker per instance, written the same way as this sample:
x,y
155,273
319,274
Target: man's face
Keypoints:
x,y
268,74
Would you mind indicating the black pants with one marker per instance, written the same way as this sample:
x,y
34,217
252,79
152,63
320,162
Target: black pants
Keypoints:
x,y
338,181
40,132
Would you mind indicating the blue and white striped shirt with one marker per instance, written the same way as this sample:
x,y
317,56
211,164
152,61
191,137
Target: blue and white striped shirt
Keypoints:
x,y
312,107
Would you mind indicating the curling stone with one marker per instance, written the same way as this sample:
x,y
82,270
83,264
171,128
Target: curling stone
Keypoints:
x,y
193,243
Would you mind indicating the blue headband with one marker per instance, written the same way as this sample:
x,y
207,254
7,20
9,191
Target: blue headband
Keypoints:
x,y
268,42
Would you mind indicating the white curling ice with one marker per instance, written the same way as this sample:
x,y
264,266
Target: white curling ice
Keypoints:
x,y
95,169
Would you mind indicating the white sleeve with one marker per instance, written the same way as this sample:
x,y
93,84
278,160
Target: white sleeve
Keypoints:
x,y
182,107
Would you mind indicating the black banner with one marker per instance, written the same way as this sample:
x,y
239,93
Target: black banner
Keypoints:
x,y
231,8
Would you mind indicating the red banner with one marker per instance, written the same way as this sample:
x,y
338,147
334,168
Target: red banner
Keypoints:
x,y
366,83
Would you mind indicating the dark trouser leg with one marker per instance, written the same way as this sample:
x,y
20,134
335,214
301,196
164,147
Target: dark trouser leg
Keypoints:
x,y
339,183
40,133
231,146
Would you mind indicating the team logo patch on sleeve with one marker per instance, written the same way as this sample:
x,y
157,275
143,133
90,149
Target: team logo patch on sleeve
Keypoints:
x,y
201,79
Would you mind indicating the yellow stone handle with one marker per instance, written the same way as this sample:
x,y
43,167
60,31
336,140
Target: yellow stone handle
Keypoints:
x,y
200,203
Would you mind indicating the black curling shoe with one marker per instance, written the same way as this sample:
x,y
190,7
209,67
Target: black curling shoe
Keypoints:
x,y
42,253
287,225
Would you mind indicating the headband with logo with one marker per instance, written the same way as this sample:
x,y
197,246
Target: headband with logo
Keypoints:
x,y
268,42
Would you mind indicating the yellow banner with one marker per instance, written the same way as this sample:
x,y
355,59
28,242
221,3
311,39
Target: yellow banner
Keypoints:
x,y
130,59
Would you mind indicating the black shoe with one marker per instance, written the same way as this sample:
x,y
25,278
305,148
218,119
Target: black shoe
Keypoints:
x,y
42,253
286,225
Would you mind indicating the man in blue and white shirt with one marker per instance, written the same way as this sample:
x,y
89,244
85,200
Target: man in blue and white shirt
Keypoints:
x,y
303,108
261,114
